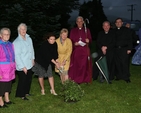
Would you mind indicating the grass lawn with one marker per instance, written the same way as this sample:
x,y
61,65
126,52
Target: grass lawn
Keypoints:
x,y
118,97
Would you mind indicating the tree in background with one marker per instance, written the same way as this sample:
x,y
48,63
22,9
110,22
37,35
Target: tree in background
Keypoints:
x,y
41,16
93,10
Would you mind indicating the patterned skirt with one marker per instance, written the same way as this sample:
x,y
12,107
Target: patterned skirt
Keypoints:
x,y
41,72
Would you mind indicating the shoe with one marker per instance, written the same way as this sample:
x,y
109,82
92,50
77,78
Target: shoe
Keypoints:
x,y
4,106
116,79
53,92
29,95
8,102
128,81
42,92
24,98
110,82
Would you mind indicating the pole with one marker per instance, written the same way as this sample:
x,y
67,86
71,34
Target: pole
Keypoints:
x,y
132,10
88,51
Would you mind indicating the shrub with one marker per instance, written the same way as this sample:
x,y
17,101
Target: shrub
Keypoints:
x,y
72,92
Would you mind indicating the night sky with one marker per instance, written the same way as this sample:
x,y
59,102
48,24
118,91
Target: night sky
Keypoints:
x,y
118,8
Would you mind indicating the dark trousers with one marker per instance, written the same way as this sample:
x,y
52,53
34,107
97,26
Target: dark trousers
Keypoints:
x,y
122,64
24,83
5,87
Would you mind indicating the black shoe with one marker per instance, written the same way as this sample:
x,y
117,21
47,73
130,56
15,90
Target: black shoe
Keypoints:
x,y
116,79
29,95
110,82
128,81
24,98
8,102
4,106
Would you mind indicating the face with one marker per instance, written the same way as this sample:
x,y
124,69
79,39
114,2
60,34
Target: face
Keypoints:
x,y
64,35
80,22
22,31
5,35
51,40
106,26
128,25
119,23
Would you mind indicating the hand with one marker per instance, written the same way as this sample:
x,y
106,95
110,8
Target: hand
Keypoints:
x,y
104,48
0,77
25,70
57,65
33,62
128,51
64,62
76,43
87,40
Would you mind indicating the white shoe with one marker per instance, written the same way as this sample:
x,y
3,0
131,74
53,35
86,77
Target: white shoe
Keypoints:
x,y
42,92
53,92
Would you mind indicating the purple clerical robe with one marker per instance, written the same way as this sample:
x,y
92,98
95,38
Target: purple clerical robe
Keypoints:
x,y
80,66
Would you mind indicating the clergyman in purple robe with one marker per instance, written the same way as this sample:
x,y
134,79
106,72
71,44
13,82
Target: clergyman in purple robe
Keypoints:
x,y
81,64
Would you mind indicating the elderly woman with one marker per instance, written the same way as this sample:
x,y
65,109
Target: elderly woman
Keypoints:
x,y
24,57
64,52
7,66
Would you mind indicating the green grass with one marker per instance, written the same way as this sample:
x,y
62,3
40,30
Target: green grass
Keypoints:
x,y
118,97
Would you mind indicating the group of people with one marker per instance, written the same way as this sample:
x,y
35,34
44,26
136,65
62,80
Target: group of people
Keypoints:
x,y
70,57
116,44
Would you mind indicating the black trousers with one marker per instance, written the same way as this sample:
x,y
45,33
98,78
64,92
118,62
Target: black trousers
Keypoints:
x,y
24,83
122,64
5,87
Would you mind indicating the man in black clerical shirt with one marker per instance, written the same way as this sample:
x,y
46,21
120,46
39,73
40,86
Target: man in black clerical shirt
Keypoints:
x,y
123,48
105,44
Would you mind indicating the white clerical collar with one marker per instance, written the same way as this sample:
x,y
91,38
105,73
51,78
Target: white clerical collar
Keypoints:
x,y
106,32
80,28
118,28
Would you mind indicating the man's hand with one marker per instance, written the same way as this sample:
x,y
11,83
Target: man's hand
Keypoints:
x,y
104,48
0,77
128,51
87,40
76,43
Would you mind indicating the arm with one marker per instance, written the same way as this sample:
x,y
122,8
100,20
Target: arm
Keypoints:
x,y
69,50
72,36
33,57
18,59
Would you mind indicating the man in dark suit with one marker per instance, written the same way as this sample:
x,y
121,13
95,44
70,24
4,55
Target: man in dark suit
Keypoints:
x,y
123,48
105,44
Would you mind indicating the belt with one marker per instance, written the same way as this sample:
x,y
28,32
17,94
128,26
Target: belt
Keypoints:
x,y
120,46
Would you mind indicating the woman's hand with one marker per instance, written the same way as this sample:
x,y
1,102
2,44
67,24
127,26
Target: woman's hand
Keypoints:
x,y
57,65
64,63
33,62
25,70
0,77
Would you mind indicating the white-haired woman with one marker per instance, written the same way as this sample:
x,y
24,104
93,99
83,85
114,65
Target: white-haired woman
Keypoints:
x,y
24,57
7,66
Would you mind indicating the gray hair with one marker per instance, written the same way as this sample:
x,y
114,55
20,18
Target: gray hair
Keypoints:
x,y
106,22
5,28
79,17
22,24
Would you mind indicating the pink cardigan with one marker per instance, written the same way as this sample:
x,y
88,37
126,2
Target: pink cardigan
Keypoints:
x,y
7,62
